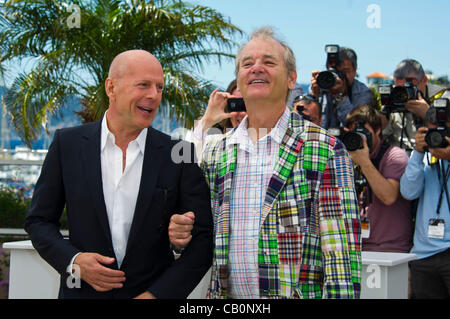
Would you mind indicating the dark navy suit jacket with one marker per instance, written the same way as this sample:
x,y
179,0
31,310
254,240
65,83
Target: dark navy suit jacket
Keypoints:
x,y
71,177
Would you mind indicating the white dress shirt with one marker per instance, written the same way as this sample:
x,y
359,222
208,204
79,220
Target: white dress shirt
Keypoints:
x,y
255,167
120,186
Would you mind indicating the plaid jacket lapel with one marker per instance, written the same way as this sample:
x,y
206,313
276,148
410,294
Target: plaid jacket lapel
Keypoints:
x,y
287,155
226,166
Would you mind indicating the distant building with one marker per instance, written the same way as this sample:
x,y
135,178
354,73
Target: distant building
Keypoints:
x,y
377,78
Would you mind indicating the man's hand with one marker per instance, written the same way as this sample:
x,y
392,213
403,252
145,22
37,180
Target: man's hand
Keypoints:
x,y
145,295
442,153
418,107
361,157
339,87
315,89
180,228
421,145
98,276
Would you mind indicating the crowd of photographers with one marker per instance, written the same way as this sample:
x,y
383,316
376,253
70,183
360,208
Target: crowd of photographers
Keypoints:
x,y
400,158
400,155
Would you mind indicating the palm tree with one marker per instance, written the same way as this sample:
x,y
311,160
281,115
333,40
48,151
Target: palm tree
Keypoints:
x,y
70,52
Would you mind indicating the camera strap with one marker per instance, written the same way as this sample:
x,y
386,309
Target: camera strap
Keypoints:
x,y
445,176
349,90
376,162
403,129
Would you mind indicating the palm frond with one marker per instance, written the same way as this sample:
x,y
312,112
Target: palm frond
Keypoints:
x,y
183,36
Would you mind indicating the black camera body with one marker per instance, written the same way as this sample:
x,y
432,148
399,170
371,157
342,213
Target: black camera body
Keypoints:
x,y
386,100
300,110
435,137
327,79
360,181
394,98
353,140
236,105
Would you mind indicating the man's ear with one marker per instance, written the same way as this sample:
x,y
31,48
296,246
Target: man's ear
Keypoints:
x,y
109,87
424,82
292,79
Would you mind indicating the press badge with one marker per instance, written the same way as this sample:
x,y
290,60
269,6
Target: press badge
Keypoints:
x,y
436,228
365,228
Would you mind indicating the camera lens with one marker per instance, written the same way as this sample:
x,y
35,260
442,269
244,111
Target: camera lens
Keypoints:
x,y
435,139
399,95
326,80
352,141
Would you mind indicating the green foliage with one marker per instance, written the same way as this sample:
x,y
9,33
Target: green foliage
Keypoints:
x,y
4,264
14,206
376,99
75,60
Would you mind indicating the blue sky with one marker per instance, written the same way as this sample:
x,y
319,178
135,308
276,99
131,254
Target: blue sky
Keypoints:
x,y
407,29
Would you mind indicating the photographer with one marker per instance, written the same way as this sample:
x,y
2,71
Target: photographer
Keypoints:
x,y
309,108
400,126
217,119
428,181
345,94
386,223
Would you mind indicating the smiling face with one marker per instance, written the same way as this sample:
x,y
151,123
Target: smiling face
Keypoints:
x,y
262,73
134,89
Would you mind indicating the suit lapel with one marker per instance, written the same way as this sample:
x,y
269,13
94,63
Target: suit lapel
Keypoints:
x,y
150,168
93,173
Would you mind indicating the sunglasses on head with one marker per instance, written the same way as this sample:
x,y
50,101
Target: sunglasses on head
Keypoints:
x,y
306,97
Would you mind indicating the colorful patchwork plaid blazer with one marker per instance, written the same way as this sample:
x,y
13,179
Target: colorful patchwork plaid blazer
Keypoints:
x,y
309,242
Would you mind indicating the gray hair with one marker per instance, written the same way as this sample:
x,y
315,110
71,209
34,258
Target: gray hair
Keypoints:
x,y
349,54
268,33
409,66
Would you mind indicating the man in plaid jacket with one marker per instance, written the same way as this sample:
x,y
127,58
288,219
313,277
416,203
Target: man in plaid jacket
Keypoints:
x,y
282,194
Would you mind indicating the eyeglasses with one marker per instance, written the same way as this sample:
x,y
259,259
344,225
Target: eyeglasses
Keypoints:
x,y
412,80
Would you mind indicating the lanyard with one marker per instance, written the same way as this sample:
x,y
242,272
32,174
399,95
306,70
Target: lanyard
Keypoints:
x,y
445,175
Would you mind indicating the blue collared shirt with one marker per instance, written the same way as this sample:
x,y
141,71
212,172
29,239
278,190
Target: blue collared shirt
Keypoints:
x,y
420,180
361,95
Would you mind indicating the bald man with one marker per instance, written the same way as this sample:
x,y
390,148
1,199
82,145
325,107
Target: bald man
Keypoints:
x,y
120,186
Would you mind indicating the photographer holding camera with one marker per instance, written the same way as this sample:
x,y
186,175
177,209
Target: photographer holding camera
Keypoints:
x,y
386,222
428,181
309,108
337,89
408,103
220,116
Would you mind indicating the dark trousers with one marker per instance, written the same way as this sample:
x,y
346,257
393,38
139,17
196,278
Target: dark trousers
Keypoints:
x,y
430,277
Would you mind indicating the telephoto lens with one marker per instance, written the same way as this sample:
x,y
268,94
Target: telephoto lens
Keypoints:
x,y
326,79
402,94
435,138
352,141
438,113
